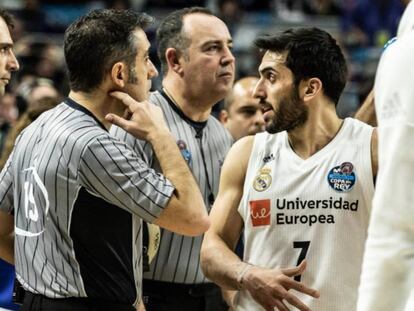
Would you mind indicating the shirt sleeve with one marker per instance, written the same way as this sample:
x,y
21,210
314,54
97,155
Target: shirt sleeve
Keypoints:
x,y
388,276
6,187
142,148
113,171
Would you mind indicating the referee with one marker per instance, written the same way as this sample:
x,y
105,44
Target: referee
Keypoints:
x,y
77,194
198,69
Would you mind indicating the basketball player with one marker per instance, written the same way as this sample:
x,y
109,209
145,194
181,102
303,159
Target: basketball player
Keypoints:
x,y
198,69
302,190
8,64
77,193
241,114
387,276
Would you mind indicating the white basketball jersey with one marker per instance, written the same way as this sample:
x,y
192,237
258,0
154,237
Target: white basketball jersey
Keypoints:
x,y
315,209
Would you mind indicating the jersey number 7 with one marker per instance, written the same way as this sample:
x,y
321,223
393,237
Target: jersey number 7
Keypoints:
x,y
304,246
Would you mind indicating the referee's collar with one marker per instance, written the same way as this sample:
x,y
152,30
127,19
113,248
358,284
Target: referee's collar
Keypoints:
x,y
197,125
71,103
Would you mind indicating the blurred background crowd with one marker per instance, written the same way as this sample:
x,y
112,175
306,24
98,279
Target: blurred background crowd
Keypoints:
x,y
361,26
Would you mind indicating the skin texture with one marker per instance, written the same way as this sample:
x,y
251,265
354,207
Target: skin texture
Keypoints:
x,y
203,74
8,61
243,115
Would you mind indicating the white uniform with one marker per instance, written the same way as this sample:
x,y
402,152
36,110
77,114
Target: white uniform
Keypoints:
x,y
387,280
316,209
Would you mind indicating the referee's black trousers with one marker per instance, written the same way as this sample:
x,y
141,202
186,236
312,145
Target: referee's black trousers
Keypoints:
x,y
33,302
164,296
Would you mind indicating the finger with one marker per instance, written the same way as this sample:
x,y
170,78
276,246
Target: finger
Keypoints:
x,y
289,283
296,270
294,301
118,121
279,305
127,114
123,97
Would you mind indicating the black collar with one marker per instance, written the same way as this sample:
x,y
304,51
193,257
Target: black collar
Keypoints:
x,y
197,125
71,103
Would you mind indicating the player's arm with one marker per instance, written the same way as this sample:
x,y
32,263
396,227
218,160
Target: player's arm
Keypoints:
x,y
7,237
218,261
269,287
366,113
185,212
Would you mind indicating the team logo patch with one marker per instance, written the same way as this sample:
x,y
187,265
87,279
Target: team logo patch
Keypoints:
x,y
263,180
184,151
342,178
260,212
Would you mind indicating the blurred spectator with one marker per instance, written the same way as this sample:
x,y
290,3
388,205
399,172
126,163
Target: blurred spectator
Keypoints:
x,y
174,4
230,13
254,5
241,114
370,22
118,4
321,7
41,59
8,116
32,17
28,117
31,91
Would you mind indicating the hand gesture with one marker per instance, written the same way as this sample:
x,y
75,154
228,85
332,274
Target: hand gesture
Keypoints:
x,y
270,287
145,118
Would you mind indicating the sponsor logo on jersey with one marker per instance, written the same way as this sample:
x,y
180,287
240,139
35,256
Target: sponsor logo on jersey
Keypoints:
x,y
184,151
342,178
268,158
260,212
263,180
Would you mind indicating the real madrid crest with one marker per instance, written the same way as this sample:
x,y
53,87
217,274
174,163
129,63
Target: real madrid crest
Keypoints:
x,y
263,180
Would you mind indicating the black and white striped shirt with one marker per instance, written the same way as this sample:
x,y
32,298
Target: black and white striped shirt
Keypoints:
x,y
204,146
78,196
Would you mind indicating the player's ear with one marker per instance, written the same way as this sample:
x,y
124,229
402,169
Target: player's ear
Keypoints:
x,y
173,58
310,88
223,116
119,74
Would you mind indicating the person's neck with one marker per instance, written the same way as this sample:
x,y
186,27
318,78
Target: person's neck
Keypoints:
x,y
320,128
99,104
196,108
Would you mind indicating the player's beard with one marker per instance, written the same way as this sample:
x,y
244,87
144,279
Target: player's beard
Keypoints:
x,y
291,113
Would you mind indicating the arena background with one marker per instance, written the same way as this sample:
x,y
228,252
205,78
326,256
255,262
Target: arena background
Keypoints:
x,y
361,26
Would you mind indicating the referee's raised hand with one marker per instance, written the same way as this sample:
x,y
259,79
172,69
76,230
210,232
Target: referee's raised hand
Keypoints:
x,y
144,118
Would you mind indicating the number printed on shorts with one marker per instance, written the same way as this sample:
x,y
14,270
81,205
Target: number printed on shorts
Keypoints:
x,y
304,246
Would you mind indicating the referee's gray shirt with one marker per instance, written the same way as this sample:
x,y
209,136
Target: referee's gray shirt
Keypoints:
x,y
78,196
204,146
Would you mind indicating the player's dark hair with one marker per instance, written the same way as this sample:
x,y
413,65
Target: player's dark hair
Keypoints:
x,y
96,41
170,34
8,19
311,52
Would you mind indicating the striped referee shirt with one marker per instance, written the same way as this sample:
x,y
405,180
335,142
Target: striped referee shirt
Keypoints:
x,y
78,196
204,146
